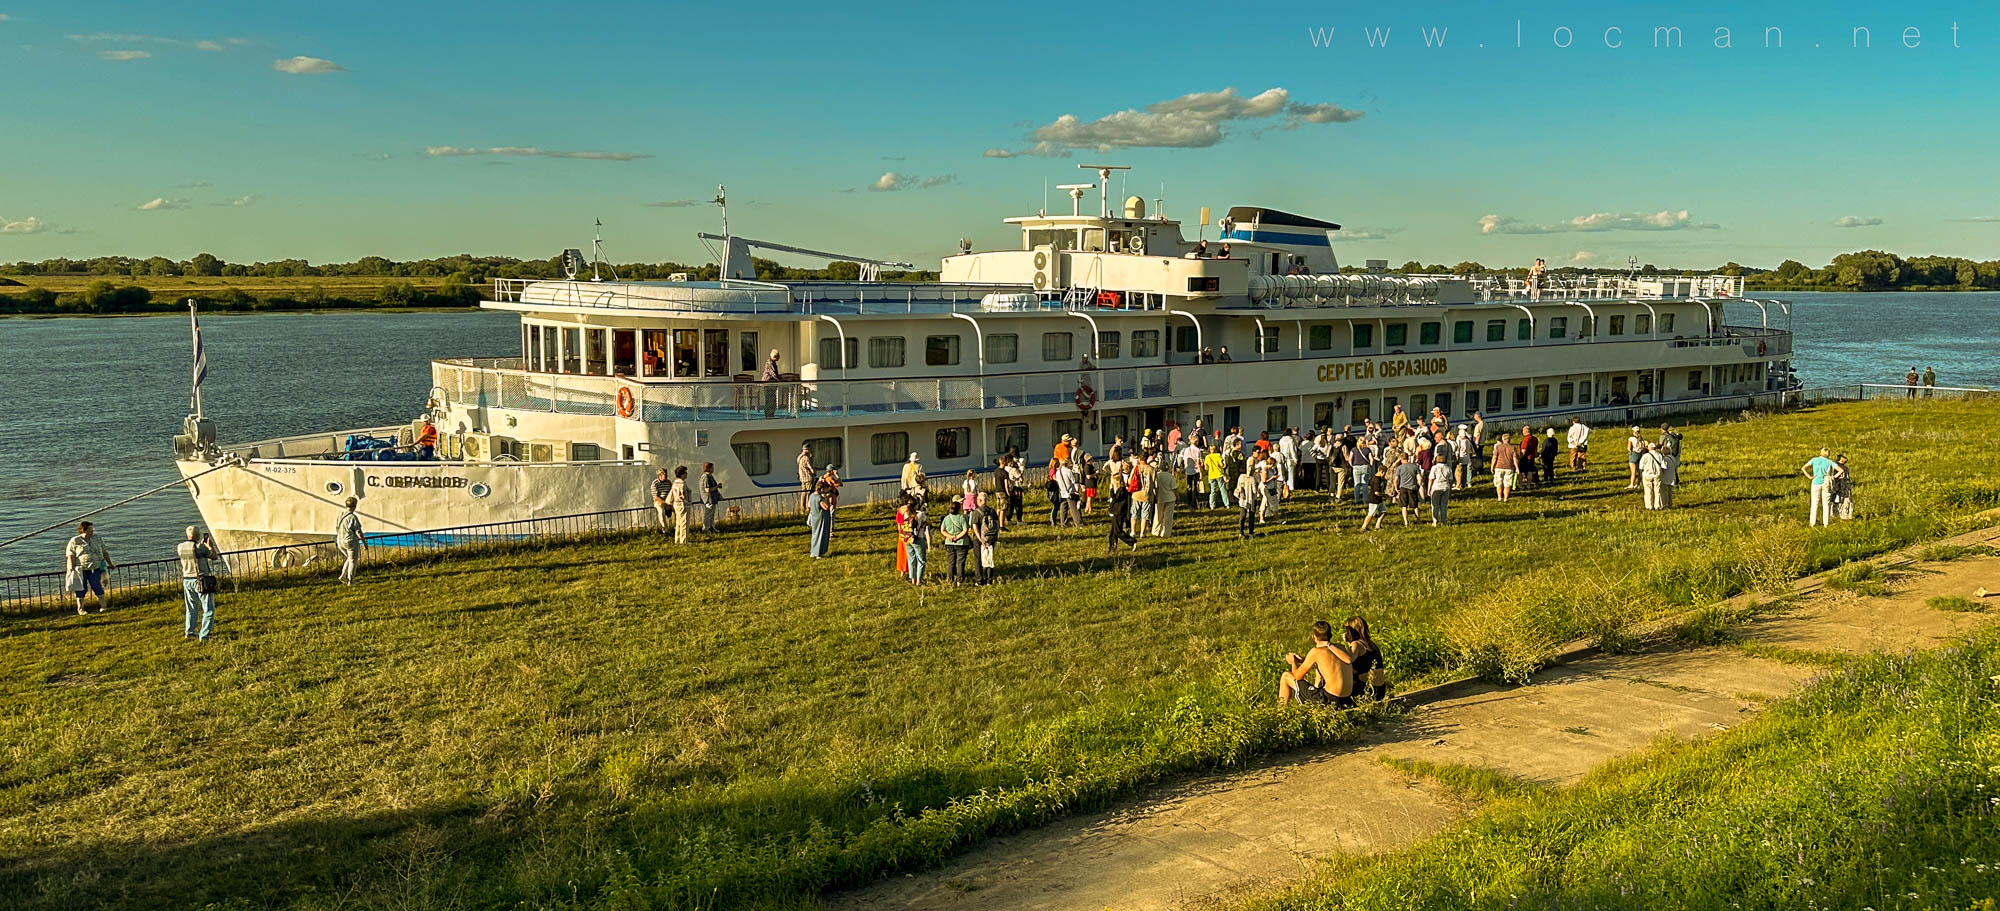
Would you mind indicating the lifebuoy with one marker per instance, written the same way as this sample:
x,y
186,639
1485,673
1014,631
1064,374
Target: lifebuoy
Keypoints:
x,y
625,402
1086,398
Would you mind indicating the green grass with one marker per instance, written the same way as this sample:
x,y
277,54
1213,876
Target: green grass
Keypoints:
x,y
1471,782
1958,603
1876,787
627,722
1868,580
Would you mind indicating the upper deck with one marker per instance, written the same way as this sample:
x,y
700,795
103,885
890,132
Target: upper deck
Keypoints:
x,y
740,297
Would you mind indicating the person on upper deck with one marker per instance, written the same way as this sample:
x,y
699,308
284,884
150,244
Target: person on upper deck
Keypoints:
x,y
1224,253
1200,250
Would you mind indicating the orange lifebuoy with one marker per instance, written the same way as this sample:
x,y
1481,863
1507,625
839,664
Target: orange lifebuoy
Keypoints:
x,y
1086,398
625,402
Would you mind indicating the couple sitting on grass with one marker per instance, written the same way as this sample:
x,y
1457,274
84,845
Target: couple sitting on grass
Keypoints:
x,y
1340,668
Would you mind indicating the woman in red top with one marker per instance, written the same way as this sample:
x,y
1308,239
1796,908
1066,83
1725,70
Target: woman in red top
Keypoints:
x,y
903,539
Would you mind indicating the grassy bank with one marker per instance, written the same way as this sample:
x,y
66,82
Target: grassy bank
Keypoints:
x,y
1877,787
730,725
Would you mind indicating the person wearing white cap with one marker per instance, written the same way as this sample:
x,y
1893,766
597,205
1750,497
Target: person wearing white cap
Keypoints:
x,y
913,478
197,583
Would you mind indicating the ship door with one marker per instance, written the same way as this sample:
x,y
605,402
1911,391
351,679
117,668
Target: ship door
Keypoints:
x,y
1153,418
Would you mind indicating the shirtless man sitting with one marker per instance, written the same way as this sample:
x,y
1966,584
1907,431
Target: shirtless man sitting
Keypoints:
x,y
1335,686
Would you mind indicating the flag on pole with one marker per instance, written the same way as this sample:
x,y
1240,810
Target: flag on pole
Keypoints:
x,y
200,357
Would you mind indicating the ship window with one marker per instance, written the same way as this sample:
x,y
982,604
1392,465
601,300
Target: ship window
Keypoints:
x,y
829,352
1071,426
1003,349
1493,400
1666,322
1520,398
1146,343
527,346
655,357
1646,381
1420,405
1357,413
941,351
1496,330
1269,340
1694,381
531,346
572,350
954,442
684,354
1010,438
1056,346
1364,336
1618,325
1199,283
593,352
1642,324
1461,332
889,448
1277,418
1471,401
1558,326
1185,339
1583,392
1389,405
1114,427
1620,388
715,352
1396,334
1541,395
1108,345
749,358
1093,240
754,457
1319,338
625,352
1444,403
1429,333
1566,394
1322,414
827,452
1524,330
885,351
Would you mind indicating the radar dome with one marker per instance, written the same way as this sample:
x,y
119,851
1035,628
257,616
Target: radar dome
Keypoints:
x,y
1135,207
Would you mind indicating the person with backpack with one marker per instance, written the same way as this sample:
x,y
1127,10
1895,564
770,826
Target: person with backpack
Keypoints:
x,y
198,583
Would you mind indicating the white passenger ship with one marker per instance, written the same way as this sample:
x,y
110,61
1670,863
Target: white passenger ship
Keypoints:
x,y
1095,326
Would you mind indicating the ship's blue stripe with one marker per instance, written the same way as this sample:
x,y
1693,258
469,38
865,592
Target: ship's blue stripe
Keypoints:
x,y
1279,237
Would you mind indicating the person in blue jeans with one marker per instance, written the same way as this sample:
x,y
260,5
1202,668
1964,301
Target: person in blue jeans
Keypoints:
x,y
1364,470
195,555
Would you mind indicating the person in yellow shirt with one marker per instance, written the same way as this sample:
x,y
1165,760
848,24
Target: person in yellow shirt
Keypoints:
x,y
1218,490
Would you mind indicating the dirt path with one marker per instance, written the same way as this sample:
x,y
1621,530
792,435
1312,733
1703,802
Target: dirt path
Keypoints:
x,y
1199,843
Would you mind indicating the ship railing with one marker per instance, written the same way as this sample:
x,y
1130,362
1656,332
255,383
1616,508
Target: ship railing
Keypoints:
x,y
1556,286
728,296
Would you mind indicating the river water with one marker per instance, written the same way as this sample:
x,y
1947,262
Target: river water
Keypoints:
x,y
89,407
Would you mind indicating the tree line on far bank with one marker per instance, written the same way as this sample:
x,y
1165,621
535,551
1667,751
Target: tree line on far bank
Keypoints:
x,y
1867,270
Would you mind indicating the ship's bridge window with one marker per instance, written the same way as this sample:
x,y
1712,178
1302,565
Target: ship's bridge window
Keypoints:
x,y
686,357
1319,338
654,356
1461,332
1146,343
1093,240
1364,336
593,352
531,346
1056,346
1108,345
1642,324
1396,334
954,442
941,351
1429,333
625,352
885,351
572,350
1010,438
1003,349
754,457
889,448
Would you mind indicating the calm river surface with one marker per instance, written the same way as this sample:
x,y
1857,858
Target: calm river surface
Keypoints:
x,y
89,407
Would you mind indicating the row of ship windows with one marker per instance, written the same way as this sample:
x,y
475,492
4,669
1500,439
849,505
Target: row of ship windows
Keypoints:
x,y
893,447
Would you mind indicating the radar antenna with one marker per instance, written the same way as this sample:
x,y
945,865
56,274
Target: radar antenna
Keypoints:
x,y
1104,184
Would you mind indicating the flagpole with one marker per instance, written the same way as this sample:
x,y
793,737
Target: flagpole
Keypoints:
x,y
194,331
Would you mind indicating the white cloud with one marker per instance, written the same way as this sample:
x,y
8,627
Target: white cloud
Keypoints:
x,y
3,17
1856,221
1601,221
1582,256
1355,232
1979,219
1192,121
529,152
123,55
890,180
305,66
161,202
679,203
198,44
29,225
239,202
193,185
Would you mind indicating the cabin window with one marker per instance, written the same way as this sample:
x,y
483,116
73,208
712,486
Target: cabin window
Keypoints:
x,y
1666,322
1420,405
826,452
1108,345
1357,412
1197,284
954,442
1646,380
1524,330
1093,240
1146,343
572,350
1541,395
1003,349
1268,342
1429,333
1364,336
1694,381
1071,426
1396,334
1620,388
889,448
1114,426
1642,324
1010,438
1323,414
1618,325
1186,338
531,347
1319,338
685,341
1471,402
829,353
653,355
749,358
1493,400
1583,392
941,351
1520,398
885,351
754,457
1558,326
625,352
593,352
1056,346
526,345
1461,332
715,352
1444,403
1389,405
1277,418
1566,394
1496,330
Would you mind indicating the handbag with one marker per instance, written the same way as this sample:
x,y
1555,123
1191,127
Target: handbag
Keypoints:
x,y
207,584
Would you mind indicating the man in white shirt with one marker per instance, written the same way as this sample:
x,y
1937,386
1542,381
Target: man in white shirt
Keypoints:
x,y
1652,470
1190,466
1288,460
1071,493
348,539
1579,443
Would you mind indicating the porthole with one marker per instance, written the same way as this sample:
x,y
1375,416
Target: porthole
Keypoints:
x,y
479,490
335,488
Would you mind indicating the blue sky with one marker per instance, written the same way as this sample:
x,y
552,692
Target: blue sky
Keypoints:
x,y
332,131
